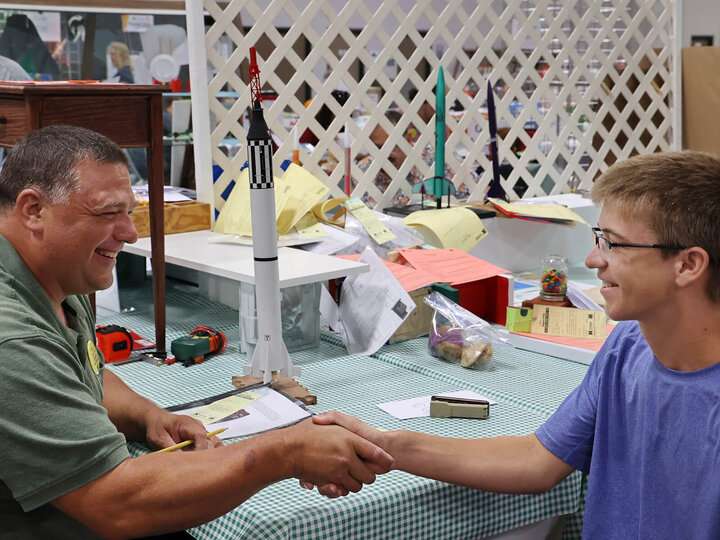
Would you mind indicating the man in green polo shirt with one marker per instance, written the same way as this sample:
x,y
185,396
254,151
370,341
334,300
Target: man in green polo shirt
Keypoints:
x,y
65,472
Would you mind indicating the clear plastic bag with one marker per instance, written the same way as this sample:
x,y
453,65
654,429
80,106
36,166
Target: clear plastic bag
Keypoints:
x,y
462,337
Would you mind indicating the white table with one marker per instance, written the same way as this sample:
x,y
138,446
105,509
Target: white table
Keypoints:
x,y
223,266
518,245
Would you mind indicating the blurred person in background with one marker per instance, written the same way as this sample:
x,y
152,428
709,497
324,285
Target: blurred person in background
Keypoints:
x,y
120,58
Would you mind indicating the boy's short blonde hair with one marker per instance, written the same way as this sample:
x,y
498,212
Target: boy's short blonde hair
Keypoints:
x,y
677,194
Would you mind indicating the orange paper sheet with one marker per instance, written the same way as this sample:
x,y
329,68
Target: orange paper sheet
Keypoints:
x,y
583,343
409,278
450,265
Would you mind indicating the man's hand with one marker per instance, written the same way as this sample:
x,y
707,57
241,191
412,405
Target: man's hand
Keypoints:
x,y
358,427
141,420
331,455
164,429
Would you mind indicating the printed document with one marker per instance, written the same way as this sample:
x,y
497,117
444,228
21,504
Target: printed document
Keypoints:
x,y
245,412
372,306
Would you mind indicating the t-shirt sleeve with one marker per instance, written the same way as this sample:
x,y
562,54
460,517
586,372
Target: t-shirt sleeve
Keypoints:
x,y
56,437
569,433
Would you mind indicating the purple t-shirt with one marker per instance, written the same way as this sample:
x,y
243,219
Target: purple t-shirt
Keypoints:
x,y
649,438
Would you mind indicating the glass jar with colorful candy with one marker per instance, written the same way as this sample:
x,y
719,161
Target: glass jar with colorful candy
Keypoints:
x,y
553,282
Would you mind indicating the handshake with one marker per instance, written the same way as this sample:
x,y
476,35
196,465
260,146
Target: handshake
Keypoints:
x,y
338,453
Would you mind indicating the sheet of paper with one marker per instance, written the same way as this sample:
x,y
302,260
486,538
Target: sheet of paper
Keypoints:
x,y
540,211
285,240
409,278
458,228
525,289
594,294
305,192
583,343
420,406
234,218
248,413
571,200
569,322
225,409
308,227
450,265
170,193
322,211
372,306
335,239
576,294
518,319
329,309
377,231
405,236
235,215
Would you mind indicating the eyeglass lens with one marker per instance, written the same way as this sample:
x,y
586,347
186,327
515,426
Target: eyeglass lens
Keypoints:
x,y
604,245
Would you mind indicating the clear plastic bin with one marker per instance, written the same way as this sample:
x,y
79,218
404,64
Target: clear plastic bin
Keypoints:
x,y
299,316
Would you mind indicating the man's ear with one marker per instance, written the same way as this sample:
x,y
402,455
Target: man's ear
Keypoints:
x,y
692,265
31,209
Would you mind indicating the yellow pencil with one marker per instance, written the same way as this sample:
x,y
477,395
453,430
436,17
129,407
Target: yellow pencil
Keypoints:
x,y
189,442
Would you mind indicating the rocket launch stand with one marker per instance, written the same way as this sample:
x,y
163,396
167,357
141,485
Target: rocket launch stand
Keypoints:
x,y
282,384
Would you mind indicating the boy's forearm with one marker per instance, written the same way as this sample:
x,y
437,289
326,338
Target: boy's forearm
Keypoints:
x,y
500,464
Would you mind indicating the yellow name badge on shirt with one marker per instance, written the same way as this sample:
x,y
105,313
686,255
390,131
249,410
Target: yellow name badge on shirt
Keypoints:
x,y
94,357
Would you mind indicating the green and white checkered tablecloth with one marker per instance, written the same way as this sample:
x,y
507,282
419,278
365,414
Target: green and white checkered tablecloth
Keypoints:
x,y
398,505
527,379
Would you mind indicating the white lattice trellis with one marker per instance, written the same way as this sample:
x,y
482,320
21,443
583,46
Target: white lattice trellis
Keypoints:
x,y
578,86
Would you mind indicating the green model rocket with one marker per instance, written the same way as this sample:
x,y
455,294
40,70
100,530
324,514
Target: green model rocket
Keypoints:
x,y
437,185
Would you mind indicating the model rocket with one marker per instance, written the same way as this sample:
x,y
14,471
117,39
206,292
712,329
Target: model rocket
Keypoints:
x,y
437,185
494,189
439,137
270,352
348,162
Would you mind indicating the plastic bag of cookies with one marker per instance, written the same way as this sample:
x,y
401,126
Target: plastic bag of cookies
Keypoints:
x,y
458,336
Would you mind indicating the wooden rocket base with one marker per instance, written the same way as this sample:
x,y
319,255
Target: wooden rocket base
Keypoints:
x,y
538,301
283,384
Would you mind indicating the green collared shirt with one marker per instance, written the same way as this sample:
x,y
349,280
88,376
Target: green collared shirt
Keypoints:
x,y
56,436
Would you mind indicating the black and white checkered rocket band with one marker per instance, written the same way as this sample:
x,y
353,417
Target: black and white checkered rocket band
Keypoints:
x,y
260,163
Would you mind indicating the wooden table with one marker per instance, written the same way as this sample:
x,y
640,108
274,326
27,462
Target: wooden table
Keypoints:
x,y
130,115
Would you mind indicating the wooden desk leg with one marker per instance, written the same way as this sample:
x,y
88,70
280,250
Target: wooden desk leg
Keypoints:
x,y
157,222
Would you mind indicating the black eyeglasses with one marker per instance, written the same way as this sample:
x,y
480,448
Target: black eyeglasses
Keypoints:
x,y
606,245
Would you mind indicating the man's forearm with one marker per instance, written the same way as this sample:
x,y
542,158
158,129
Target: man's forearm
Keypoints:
x,y
501,464
171,491
128,410
165,492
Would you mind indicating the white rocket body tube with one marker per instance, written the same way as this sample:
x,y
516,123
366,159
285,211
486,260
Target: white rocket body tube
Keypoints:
x,y
270,352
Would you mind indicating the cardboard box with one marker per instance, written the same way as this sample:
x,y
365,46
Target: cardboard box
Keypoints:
x,y
488,298
701,99
182,216
419,321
